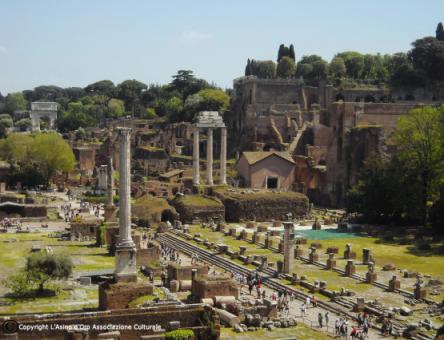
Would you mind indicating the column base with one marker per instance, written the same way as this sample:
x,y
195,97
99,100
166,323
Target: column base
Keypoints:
x,y
126,265
110,213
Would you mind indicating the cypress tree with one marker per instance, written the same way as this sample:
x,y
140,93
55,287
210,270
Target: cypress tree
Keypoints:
x,y
248,68
281,52
440,32
291,54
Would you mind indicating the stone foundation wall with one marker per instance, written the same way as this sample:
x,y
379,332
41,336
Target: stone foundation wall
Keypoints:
x,y
189,316
203,288
118,295
265,208
178,272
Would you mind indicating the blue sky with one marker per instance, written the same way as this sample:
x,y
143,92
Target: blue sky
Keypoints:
x,y
74,43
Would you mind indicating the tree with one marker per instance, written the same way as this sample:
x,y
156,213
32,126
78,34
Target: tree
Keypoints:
x,y
44,152
116,108
440,32
15,102
130,92
286,68
248,68
42,267
320,70
354,63
23,124
291,54
15,148
427,56
150,113
402,72
419,139
78,115
6,122
337,67
51,153
263,69
312,67
174,108
104,91
205,100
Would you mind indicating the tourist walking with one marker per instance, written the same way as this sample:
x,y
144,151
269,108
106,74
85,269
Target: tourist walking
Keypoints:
x,y
320,319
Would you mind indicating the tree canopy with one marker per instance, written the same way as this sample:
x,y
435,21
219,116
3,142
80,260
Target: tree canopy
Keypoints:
x,y
43,154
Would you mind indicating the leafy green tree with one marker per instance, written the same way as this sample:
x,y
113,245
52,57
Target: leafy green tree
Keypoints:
x,y
74,93
6,122
15,102
304,70
354,63
42,267
23,124
337,67
385,178
286,68
174,108
78,115
103,91
427,56
14,149
150,113
312,67
51,153
263,69
205,100
402,73
130,92
320,70
47,93
419,139
116,107
440,32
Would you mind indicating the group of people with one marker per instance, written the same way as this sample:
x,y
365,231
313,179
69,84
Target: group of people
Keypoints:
x,y
169,254
69,212
9,222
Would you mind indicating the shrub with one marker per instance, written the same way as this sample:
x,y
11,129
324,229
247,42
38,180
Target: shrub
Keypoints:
x,y
179,334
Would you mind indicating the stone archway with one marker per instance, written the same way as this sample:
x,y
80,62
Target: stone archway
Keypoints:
x,y
43,110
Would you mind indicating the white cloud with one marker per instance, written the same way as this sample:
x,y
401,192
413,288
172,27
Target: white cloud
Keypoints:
x,y
3,49
192,37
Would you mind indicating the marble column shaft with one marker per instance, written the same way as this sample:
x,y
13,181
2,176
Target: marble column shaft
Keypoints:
x,y
196,170
210,156
223,155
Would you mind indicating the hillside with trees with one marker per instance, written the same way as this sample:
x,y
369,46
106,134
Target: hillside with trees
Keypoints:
x,y
422,66
79,107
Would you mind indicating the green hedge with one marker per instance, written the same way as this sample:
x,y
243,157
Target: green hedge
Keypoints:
x,y
179,334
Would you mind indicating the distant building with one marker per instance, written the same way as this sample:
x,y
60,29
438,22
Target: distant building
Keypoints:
x,y
267,169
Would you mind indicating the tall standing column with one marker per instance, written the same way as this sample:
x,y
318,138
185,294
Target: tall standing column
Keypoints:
x,y
110,184
223,155
125,248
288,246
196,173
210,156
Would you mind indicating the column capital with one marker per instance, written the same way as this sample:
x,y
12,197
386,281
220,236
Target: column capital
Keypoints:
x,y
123,131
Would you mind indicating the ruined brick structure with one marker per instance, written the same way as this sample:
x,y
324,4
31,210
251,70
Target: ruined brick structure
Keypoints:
x,y
329,132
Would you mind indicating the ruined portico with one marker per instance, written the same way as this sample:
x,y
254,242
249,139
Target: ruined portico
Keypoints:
x,y
209,120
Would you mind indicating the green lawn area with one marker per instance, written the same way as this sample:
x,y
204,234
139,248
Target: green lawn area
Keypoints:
x,y
401,255
384,253
76,299
300,332
85,257
84,254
